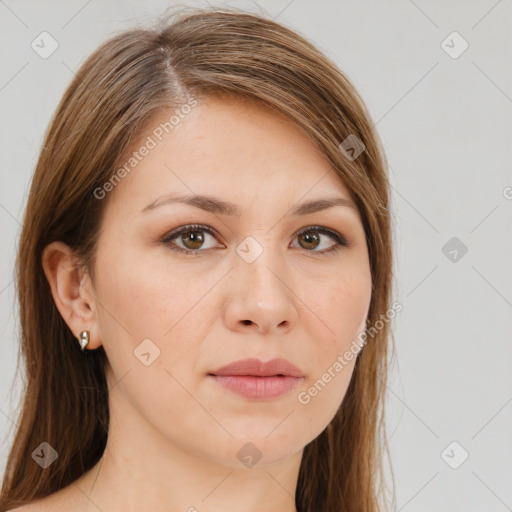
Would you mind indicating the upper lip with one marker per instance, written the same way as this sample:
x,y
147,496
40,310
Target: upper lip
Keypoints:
x,y
257,368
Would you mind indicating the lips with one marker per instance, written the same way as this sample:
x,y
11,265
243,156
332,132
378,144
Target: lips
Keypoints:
x,y
256,368
255,380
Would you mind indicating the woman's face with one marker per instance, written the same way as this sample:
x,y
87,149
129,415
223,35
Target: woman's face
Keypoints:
x,y
250,286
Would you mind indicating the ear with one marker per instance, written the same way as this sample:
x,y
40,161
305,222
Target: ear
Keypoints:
x,y
72,291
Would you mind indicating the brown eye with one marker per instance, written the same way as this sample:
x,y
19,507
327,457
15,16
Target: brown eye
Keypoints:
x,y
311,238
190,239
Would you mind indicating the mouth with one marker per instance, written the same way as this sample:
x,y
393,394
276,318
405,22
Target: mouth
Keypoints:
x,y
256,380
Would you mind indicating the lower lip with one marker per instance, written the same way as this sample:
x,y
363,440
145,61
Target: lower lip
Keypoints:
x,y
257,388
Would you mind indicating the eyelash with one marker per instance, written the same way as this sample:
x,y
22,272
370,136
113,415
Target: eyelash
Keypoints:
x,y
341,242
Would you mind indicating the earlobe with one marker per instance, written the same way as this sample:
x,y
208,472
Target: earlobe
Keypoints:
x,y
75,305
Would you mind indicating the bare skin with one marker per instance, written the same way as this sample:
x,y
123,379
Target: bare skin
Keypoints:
x,y
175,433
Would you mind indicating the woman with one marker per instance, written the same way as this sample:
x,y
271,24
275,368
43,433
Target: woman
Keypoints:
x,y
203,272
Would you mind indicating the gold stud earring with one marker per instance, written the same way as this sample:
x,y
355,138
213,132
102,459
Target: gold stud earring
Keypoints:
x,y
84,339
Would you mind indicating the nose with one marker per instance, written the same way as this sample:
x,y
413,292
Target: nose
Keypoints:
x,y
260,296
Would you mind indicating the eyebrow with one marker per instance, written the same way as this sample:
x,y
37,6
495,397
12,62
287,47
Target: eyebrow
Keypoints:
x,y
216,206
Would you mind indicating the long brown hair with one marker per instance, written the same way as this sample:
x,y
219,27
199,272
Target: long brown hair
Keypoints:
x,y
125,82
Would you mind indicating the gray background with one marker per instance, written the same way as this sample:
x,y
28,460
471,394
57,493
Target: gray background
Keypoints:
x,y
446,126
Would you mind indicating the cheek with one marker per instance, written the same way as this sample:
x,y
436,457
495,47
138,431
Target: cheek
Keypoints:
x,y
343,307
146,298
345,303
148,311
354,296
155,304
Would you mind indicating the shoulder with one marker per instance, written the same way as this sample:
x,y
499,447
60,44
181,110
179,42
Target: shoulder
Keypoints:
x,y
55,502
63,500
36,506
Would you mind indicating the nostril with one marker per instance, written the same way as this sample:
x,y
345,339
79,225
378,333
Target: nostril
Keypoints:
x,y
247,322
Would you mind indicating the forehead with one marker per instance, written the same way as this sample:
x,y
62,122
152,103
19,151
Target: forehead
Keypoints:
x,y
226,147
